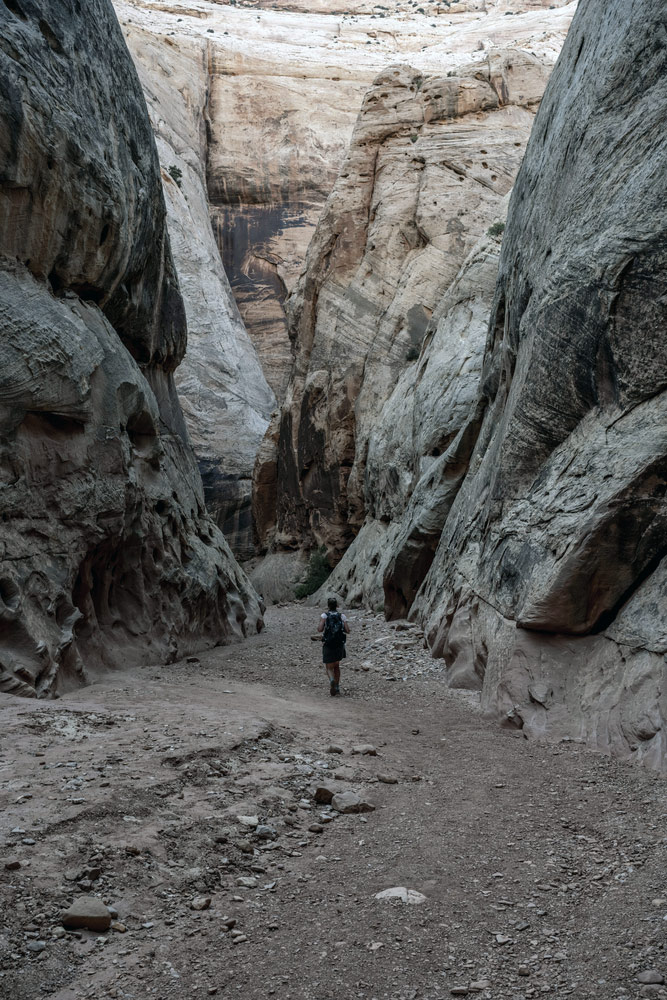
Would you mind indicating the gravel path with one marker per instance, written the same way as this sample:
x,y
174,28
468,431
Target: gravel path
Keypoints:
x,y
542,866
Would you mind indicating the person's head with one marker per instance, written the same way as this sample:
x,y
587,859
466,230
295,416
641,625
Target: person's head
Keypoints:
x,y
332,603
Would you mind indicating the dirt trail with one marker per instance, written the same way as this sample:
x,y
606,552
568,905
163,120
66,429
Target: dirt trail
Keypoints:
x,y
543,866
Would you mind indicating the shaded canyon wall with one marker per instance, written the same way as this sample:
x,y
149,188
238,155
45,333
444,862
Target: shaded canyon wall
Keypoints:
x,y
430,162
107,555
528,530
222,389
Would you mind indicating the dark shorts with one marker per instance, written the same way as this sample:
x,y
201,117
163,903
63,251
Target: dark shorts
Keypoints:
x,y
332,652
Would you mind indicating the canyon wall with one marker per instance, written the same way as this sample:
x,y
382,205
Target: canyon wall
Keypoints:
x,y
515,493
430,161
549,584
107,555
285,82
225,397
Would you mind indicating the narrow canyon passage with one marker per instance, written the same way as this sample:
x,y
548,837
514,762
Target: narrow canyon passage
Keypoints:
x,y
184,795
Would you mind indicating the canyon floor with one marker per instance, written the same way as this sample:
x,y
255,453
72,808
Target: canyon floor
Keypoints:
x,y
542,865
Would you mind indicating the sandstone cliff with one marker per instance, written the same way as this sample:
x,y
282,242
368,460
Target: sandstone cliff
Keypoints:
x,y
285,82
517,507
549,582
430,161
221,386
106,552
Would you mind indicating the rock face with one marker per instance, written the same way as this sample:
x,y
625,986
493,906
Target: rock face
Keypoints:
x,y
551,567
107,555
221,386
429,164
285,82
420,444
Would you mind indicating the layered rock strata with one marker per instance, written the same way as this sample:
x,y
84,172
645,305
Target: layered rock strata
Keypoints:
x,y
549,582
285,83
107,554
430,161
419,446
225,397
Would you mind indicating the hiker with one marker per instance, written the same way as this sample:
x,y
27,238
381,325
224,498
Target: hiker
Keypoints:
x,y
334,626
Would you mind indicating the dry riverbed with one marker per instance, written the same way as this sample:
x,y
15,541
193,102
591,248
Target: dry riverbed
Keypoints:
x,y
184,797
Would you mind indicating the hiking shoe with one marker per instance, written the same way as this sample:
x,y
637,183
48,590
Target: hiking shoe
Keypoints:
x,y
333,688
337,689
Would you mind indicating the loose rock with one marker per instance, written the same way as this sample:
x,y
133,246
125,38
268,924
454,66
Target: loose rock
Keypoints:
x,y
87,912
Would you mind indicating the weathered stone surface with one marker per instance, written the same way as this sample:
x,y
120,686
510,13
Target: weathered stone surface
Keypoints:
x,y
401,893
107,555
560,526
429,164
420,443
285,84
221,386
351,802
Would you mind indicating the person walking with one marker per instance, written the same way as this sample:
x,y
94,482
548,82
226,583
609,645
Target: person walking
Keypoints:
x,y
335,628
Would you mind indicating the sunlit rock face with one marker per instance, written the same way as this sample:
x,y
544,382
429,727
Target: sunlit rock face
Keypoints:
x,y
549,583
107,555
224,394
430,162
285,82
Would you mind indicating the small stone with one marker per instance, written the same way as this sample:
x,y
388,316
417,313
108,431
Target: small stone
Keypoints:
x,y
29,841
240,939
247,883
117,926
387,779
89,912
316,828
350,802
523,970
502,939
251,821
265,832
400,892
200,903
192,659
229,922
11,864
651,976
245,846
365,749
366,666
324,794
480,985
59,932
459,991
334,748
36,946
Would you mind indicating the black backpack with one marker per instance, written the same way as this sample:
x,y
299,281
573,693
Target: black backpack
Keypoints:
x,y
334,630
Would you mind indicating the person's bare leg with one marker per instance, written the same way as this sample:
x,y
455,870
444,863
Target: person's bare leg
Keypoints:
x,y
332,670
